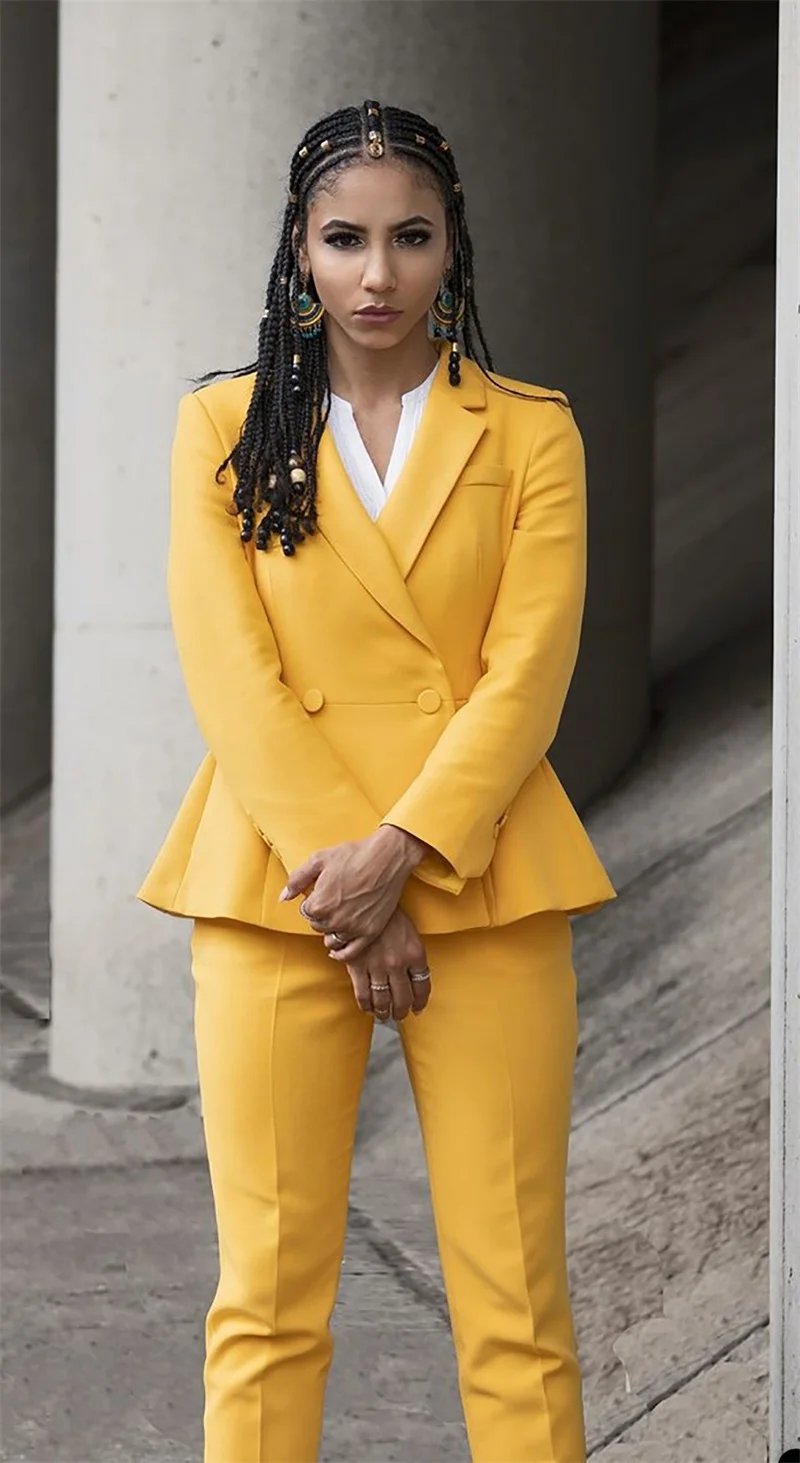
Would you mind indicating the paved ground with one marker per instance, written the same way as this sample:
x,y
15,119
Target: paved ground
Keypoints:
x,y
107,1235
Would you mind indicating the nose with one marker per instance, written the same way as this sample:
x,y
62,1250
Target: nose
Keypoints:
x,y
378,275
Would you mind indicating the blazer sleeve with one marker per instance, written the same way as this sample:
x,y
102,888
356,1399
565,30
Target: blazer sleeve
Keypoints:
x,y
503,731
291,783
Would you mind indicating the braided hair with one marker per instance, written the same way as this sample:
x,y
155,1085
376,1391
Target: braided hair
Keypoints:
x,y
275,457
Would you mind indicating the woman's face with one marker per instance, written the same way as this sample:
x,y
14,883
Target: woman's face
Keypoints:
x,y
376,237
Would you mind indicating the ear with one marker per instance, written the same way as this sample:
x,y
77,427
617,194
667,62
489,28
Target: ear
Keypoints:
x,y
300,251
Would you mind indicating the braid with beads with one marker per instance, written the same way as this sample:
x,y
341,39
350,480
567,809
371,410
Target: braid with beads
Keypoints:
x,y
275,457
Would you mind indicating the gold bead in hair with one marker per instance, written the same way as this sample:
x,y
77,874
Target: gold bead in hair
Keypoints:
x,y
325,146
303,152
292,197
456,187
419,139
445,146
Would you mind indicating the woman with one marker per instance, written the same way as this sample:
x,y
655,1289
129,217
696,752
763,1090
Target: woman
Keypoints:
x,y
376,577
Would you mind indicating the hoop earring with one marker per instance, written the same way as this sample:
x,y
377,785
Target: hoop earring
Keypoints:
x,y
444,311
307,314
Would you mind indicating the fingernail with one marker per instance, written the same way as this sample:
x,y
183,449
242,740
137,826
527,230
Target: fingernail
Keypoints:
x,y
284,894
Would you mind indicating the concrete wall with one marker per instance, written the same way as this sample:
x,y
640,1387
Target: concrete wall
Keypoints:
x,y
28,108
715,313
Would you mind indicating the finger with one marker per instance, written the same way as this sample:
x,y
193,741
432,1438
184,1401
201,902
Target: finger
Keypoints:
x,y
382,1011
359,980
302,878
333,940
421,992
402,994
353,950
421,988
381,999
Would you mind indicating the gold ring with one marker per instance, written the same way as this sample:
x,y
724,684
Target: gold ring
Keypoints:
x,y
420,974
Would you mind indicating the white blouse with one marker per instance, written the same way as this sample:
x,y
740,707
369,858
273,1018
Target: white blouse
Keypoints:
x,y
357,462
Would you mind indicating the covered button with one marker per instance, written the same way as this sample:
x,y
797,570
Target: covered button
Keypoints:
x,y
313,699
429,700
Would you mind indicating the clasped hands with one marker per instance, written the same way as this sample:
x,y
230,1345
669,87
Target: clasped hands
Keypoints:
x,y
352,896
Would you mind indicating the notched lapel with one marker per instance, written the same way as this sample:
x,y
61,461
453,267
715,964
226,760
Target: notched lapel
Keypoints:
x,y
381,554
344,522
451,428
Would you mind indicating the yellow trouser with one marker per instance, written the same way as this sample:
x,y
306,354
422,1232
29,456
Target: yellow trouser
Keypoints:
x,y
282,1050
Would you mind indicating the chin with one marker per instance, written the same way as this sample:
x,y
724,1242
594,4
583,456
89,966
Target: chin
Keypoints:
x,y
383,337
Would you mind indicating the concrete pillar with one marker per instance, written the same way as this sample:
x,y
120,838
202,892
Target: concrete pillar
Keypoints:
x,y
177,123
28,48
784,1327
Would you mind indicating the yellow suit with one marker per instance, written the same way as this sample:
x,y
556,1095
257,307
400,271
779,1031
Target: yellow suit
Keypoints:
x,y
412,670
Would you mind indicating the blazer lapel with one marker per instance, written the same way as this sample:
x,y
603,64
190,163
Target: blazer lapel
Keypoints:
x,y
451,427
381,554
344,522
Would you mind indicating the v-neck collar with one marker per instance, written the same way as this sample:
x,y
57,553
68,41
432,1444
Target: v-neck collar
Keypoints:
x,y
342,408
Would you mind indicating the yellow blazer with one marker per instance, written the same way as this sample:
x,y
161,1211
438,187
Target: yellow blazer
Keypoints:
x,y
411,670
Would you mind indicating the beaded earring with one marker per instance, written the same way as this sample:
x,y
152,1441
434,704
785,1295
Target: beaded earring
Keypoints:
x,y
444,310
307,313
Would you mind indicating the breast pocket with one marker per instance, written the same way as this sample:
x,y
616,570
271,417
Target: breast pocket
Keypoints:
x,y
486,474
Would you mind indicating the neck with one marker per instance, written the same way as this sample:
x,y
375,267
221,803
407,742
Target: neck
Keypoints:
x,y
373,376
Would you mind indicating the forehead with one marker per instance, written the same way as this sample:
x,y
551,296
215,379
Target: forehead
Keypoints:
x,y
376,192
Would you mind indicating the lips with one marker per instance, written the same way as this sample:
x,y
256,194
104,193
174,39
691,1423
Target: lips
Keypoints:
x,y
370,314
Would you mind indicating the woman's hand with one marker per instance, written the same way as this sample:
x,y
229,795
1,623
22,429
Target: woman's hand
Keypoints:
x,y
387,962
356,887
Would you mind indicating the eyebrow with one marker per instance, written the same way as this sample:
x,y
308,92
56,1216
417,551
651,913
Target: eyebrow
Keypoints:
x,y
342,223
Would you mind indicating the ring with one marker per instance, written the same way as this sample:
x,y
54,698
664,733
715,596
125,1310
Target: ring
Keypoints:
x,y
420,974
382,1012
339,940
303,910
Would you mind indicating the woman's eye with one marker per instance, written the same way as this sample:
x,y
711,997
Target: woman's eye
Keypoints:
x,y
342,240
413,238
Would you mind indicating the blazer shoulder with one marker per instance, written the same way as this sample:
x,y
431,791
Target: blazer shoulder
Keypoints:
x,y
528,412
500,387
226,402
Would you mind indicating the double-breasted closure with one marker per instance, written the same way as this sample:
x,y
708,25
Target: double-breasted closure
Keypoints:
x,y
410,670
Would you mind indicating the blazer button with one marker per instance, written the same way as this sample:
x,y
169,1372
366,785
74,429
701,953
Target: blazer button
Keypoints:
x,y
313,700
429,700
